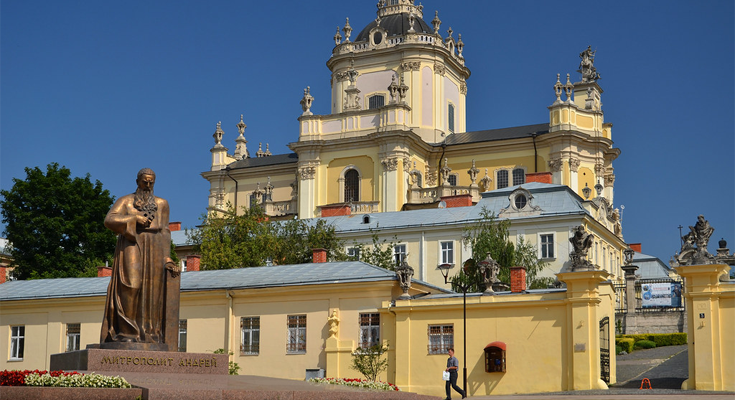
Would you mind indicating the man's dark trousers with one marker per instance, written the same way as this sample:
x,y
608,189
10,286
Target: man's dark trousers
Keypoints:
x,y
452,383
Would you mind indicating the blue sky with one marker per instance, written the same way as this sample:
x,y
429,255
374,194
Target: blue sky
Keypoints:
x,y
107,88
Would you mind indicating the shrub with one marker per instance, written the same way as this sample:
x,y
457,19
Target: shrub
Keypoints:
x,y
645,344
626,344
363,383
661,339
369,362
618,349
233,367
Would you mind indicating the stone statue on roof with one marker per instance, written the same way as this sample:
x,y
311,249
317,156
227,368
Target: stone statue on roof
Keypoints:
x,y
581,243
586,65
694,244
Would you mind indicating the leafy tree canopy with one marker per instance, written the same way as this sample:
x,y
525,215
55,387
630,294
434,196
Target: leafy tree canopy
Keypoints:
x,y
250,239
55,224
380,254
490,235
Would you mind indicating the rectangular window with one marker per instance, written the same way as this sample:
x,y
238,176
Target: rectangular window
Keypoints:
x,y
296,341
353,253
376,101
73,332
17,342
250,335
547,245
453,180
450,118
182,335
183,265
502,179
441,338
519,176
369,330
447,252
399,252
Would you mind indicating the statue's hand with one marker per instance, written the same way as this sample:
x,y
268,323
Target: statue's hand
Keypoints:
x,y
142,220
172,267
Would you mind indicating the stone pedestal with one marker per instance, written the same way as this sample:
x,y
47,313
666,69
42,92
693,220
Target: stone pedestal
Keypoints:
x,y
114,361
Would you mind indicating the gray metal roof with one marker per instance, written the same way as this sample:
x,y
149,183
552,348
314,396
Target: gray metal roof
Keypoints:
x,y
553,200
179,238
241,278
488,135
275,159
650,267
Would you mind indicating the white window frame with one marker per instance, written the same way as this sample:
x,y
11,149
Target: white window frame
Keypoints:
x,y
73,336
542,245
353,251
183,329
296,337
250,343
446,255
440,338
369,330
400,253
341,181
17,342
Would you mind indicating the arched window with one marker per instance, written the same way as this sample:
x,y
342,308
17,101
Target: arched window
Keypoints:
x,y
502,178
519,176
376,101
352,186
450,118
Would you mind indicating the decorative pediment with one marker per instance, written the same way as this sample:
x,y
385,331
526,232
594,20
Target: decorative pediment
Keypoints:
x,y
521,203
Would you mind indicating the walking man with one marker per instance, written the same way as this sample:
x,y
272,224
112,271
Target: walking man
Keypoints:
x,y
452,367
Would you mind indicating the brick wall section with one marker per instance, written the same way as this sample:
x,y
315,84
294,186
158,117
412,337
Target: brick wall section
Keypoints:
x,y
635,247
320,256
104,271
517,279
174,226
336,210
3,275
542,177
192,263
460,200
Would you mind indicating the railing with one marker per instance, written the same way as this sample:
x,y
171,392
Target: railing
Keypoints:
x,y
364,207
621,305
274,208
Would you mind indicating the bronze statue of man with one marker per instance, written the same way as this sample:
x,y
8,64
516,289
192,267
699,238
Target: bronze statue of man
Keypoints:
x,y
135,309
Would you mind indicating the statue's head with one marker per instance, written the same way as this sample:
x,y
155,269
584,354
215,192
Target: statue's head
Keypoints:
x,y
146,179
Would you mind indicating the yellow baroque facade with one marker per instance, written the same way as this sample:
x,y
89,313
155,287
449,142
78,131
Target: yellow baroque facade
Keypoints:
x,y
289,321
396,136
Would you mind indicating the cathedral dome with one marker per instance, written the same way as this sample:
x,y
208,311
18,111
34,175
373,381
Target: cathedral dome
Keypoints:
x,y
395,25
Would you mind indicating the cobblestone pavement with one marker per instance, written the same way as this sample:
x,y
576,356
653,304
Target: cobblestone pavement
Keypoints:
x,y
665,367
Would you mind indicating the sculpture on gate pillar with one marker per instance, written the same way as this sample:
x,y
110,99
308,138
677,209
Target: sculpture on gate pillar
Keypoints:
x,y
581,242
404,273
141,310
694,244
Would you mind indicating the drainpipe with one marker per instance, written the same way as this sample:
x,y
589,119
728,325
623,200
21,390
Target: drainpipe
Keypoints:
x,y
439,164
229,327
535,153
227,171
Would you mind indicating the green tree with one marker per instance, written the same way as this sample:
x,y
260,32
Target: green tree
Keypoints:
x,y
490,235
369,362
55,224
250,239
380,253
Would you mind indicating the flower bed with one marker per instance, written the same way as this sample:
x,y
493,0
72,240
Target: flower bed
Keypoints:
x,y
60,379
363,383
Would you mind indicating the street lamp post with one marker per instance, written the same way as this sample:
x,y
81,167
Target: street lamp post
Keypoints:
x,y
464,286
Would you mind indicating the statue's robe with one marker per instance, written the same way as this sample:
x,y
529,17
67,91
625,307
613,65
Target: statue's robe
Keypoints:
x,y
134,309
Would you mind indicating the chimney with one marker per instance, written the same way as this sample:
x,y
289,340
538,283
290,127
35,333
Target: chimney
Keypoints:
x,y
542,177
320,256
460,200
174,226
3,274
335,210
192,263
517,279
104,270
636,247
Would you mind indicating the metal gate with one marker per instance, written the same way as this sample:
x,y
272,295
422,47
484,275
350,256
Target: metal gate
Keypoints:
x,y
605,349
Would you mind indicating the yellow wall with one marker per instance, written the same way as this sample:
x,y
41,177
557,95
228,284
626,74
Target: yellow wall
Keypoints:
x,y
364,164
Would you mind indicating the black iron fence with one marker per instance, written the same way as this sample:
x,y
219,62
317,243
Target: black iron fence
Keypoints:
x,y
652,295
